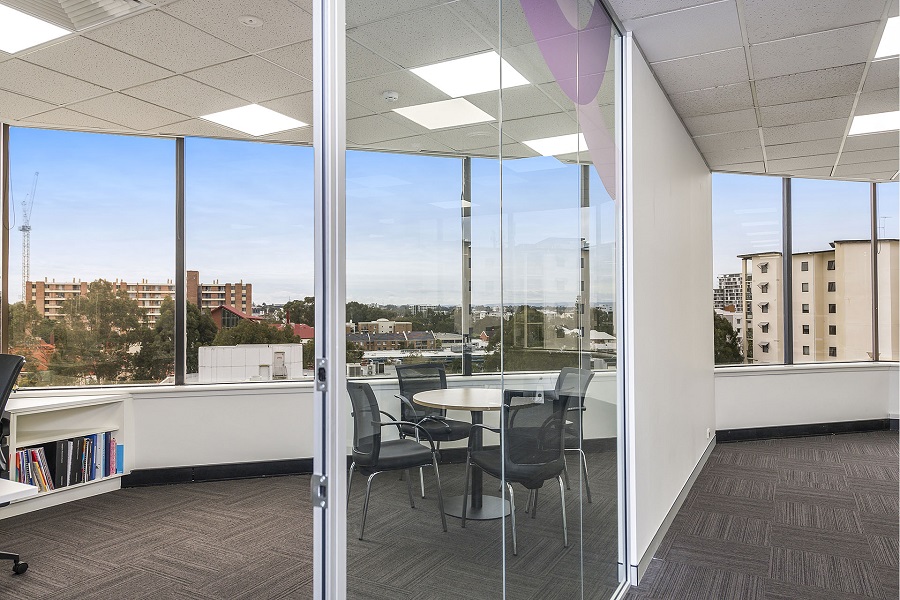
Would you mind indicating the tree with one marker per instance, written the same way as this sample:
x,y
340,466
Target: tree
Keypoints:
x,y
353,354
301,311
727,345
95,335
252,332
156,359
361,313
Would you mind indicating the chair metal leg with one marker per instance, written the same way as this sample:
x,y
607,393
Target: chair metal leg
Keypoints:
x,y
362,525
562,501
566,471
534,503
465,502
587,483
350,481
409,488
512,517
437,477
529,501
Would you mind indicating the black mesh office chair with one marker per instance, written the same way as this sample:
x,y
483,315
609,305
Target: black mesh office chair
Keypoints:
x,y
532,436
372,456
422,378
10,367
574,383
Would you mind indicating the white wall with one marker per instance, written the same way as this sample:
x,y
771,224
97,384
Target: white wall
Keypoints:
x,y
802,394
669,336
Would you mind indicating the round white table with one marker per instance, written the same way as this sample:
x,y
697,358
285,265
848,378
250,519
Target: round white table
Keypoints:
x,y
476,401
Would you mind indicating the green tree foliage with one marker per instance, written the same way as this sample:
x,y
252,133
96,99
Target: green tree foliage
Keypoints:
x,y
253,332
156,359
603,320
434,320
95,337
354,353
301,311
358,312
727,345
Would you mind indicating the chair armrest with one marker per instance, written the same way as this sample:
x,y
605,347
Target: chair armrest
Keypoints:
x,y
481,426
410,423
388,415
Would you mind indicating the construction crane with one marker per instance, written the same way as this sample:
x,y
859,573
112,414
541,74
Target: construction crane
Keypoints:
x,y
25,228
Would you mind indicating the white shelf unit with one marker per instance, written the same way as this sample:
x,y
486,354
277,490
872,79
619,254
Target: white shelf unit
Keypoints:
x,y
35,420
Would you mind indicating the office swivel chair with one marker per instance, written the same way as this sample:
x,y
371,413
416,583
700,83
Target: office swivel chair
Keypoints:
x,y
10,367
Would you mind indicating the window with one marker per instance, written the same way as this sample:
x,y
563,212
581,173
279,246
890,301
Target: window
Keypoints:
x,y
764,288
804,287
764,327
805,350
832,351
832,330
804,265
830,266
764,268
804,308
806,329
764,307
765,347
888,231
832,286
832,308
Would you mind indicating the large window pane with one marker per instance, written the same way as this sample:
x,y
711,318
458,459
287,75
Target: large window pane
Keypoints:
x,y
249,255
89,305
832,271
888,271
747,269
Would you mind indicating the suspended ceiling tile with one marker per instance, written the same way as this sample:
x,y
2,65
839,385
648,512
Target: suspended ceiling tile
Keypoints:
x,y
164,40
703,71
490,22
808,110
727,98
412,90
529,61
5,56
768,20
728,141
786,165
747,167
15,106
875,155
871,141
512,151
629,9
737,120
813,172
411,145
375,129
810,148
130,112
186,96
834,48
802,132
253,79
866,168
360,12
704,28
362,63
729,157
71,119
297,58
518,102
535,128
201,128
86,59
301,135
420,38
882,75
811,85
483,135
878,102
282,22
44,84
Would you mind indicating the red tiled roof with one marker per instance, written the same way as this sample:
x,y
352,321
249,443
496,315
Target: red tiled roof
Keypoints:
x,y
235,311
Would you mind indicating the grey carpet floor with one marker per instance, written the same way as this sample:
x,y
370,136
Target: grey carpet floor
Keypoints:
x,y
811,518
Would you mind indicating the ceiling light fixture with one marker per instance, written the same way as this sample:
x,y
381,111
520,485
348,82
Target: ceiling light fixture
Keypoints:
x,y
890,39
446,113
255,120
471,75
886,121
19,31
557,145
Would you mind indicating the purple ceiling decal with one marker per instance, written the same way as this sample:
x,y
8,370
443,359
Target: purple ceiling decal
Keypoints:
x,y
577,59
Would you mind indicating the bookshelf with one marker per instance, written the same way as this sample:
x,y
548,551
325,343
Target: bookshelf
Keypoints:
x,y
36,421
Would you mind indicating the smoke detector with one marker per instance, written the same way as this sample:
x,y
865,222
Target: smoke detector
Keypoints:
x,y
250,21
390,96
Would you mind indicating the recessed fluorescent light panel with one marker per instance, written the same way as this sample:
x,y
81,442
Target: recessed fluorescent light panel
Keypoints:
x,y
446,113
890,39
255,119
560,144
888,121
471,75
19,31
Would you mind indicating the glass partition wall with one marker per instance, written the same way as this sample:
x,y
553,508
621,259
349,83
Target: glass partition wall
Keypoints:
x,y
483,177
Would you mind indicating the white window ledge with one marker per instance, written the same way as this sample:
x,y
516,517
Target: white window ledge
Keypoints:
x,y
796,369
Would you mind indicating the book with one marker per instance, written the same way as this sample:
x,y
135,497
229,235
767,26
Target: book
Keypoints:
x,y
44,464
60,466
70,446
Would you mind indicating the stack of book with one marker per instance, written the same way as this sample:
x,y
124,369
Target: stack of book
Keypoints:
x,y
68,462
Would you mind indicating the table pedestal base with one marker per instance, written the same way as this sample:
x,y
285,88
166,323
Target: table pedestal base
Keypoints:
x,y
492,507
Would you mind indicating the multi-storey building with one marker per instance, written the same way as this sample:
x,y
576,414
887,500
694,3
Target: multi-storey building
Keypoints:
x,y
832,303
379,326
48,296
729,292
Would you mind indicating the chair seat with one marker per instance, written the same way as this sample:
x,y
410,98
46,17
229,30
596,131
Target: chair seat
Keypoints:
x,y
447,430
402,454
533,465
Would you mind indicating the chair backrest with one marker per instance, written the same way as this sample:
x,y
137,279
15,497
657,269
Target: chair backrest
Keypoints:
x,y
366,433
420,378
10,367
534,435
573,382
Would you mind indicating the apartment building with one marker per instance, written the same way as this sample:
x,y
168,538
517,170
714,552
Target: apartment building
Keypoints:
x,y
729,291
379,326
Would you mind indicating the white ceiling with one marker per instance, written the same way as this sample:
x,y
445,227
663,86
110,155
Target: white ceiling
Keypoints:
x,y
764,86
